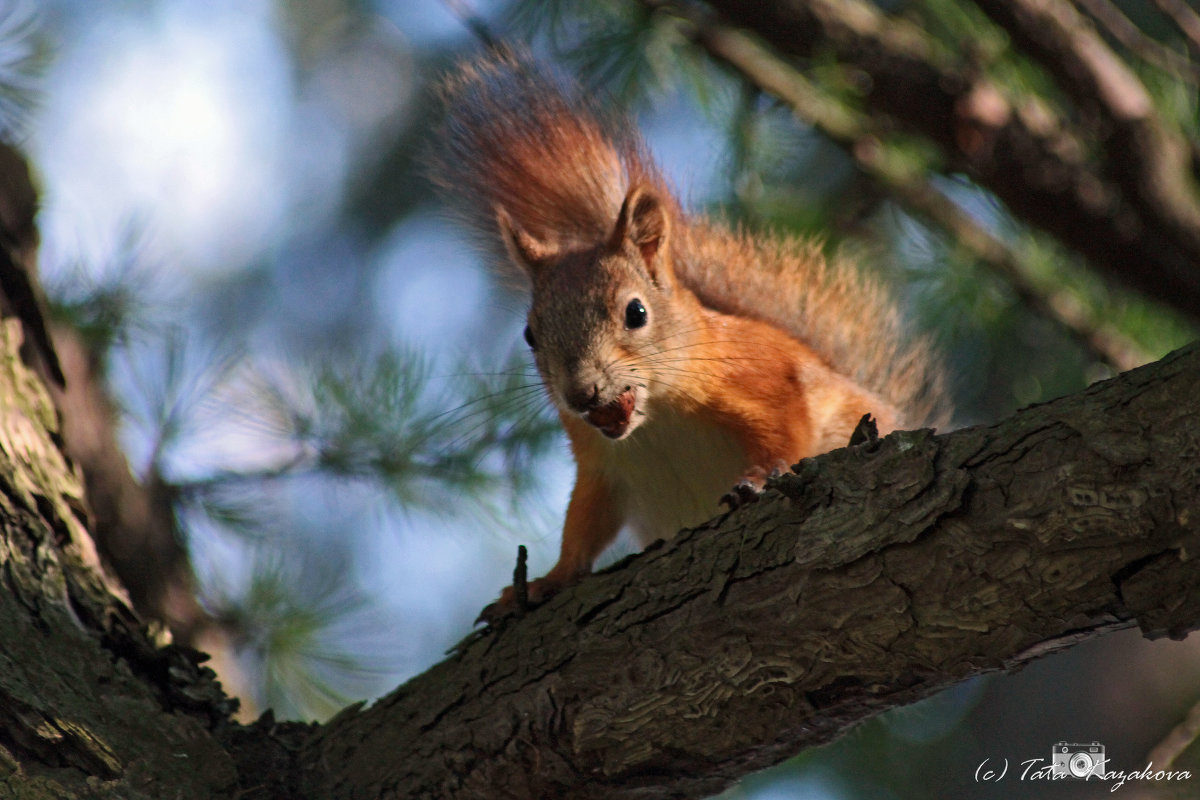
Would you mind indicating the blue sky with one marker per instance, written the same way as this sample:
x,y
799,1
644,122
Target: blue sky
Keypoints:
x,y
185,126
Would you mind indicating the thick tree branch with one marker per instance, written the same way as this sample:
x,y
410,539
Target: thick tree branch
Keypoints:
x,y
875,576
133,523
1142,228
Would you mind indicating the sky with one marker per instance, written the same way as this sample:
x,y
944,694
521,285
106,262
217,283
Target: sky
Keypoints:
x,y
183,125
178,139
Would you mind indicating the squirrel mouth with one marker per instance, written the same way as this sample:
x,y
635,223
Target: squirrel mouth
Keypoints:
x,y
612,419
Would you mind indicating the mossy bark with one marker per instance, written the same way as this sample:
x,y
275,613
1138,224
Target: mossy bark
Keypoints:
x,y
89,706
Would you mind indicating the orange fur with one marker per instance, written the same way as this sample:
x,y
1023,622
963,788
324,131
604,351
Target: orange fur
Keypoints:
x,y
682,357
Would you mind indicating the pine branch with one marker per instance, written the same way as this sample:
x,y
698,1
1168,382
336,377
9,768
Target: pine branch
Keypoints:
x,y
1129,211
1149,161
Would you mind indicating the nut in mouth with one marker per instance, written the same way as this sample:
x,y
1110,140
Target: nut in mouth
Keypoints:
x,y
613,417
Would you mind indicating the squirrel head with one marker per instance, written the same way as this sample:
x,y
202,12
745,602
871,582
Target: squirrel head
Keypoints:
x,y
604,314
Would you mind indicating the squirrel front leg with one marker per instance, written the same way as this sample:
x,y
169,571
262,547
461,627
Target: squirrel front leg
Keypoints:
x,y
593,521
832,416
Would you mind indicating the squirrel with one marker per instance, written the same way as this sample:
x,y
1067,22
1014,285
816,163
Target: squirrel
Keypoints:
x,y
682,357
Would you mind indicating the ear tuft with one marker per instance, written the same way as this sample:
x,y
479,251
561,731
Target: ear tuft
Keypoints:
x,y
642,221
528,252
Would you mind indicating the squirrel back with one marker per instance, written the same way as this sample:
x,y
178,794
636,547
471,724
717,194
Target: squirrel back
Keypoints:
x,y
541,152
849,317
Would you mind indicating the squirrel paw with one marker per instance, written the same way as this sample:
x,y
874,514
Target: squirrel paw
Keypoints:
x,y
747,490
537,593
865,432
743,493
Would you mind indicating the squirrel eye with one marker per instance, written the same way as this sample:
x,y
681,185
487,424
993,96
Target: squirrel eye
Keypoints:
x,y
529,338
635,314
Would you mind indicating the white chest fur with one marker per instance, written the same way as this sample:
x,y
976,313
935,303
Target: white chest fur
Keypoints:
x,y
671,472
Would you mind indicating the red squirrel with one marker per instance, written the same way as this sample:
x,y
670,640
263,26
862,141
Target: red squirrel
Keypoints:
x,y
683,358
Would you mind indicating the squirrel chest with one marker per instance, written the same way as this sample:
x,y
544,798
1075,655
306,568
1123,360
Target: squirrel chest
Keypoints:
x,y
670,473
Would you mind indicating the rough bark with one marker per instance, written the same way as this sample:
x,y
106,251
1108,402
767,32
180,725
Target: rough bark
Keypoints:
x,y
875,576
89,705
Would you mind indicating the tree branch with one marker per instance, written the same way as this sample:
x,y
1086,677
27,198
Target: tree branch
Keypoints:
x,y
1141,226
1178,740
1150,162
133,523
860,135
1130,36
89,705
1185,18
873,577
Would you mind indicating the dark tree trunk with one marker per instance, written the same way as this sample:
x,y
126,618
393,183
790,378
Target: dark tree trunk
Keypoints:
x,y
89,706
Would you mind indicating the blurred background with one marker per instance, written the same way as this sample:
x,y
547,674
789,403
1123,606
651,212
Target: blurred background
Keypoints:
x,y
323,392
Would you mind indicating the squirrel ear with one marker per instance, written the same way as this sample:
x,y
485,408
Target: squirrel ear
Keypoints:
x,y
642,221
531,254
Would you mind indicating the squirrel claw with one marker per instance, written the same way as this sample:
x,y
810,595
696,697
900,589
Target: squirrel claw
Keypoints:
x,y
743,493
492,613
865,432
511,605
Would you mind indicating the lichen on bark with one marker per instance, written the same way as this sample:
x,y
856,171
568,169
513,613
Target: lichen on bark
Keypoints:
x,y
82,712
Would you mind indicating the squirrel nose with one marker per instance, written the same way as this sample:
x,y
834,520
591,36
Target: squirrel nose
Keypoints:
x,y
583,398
